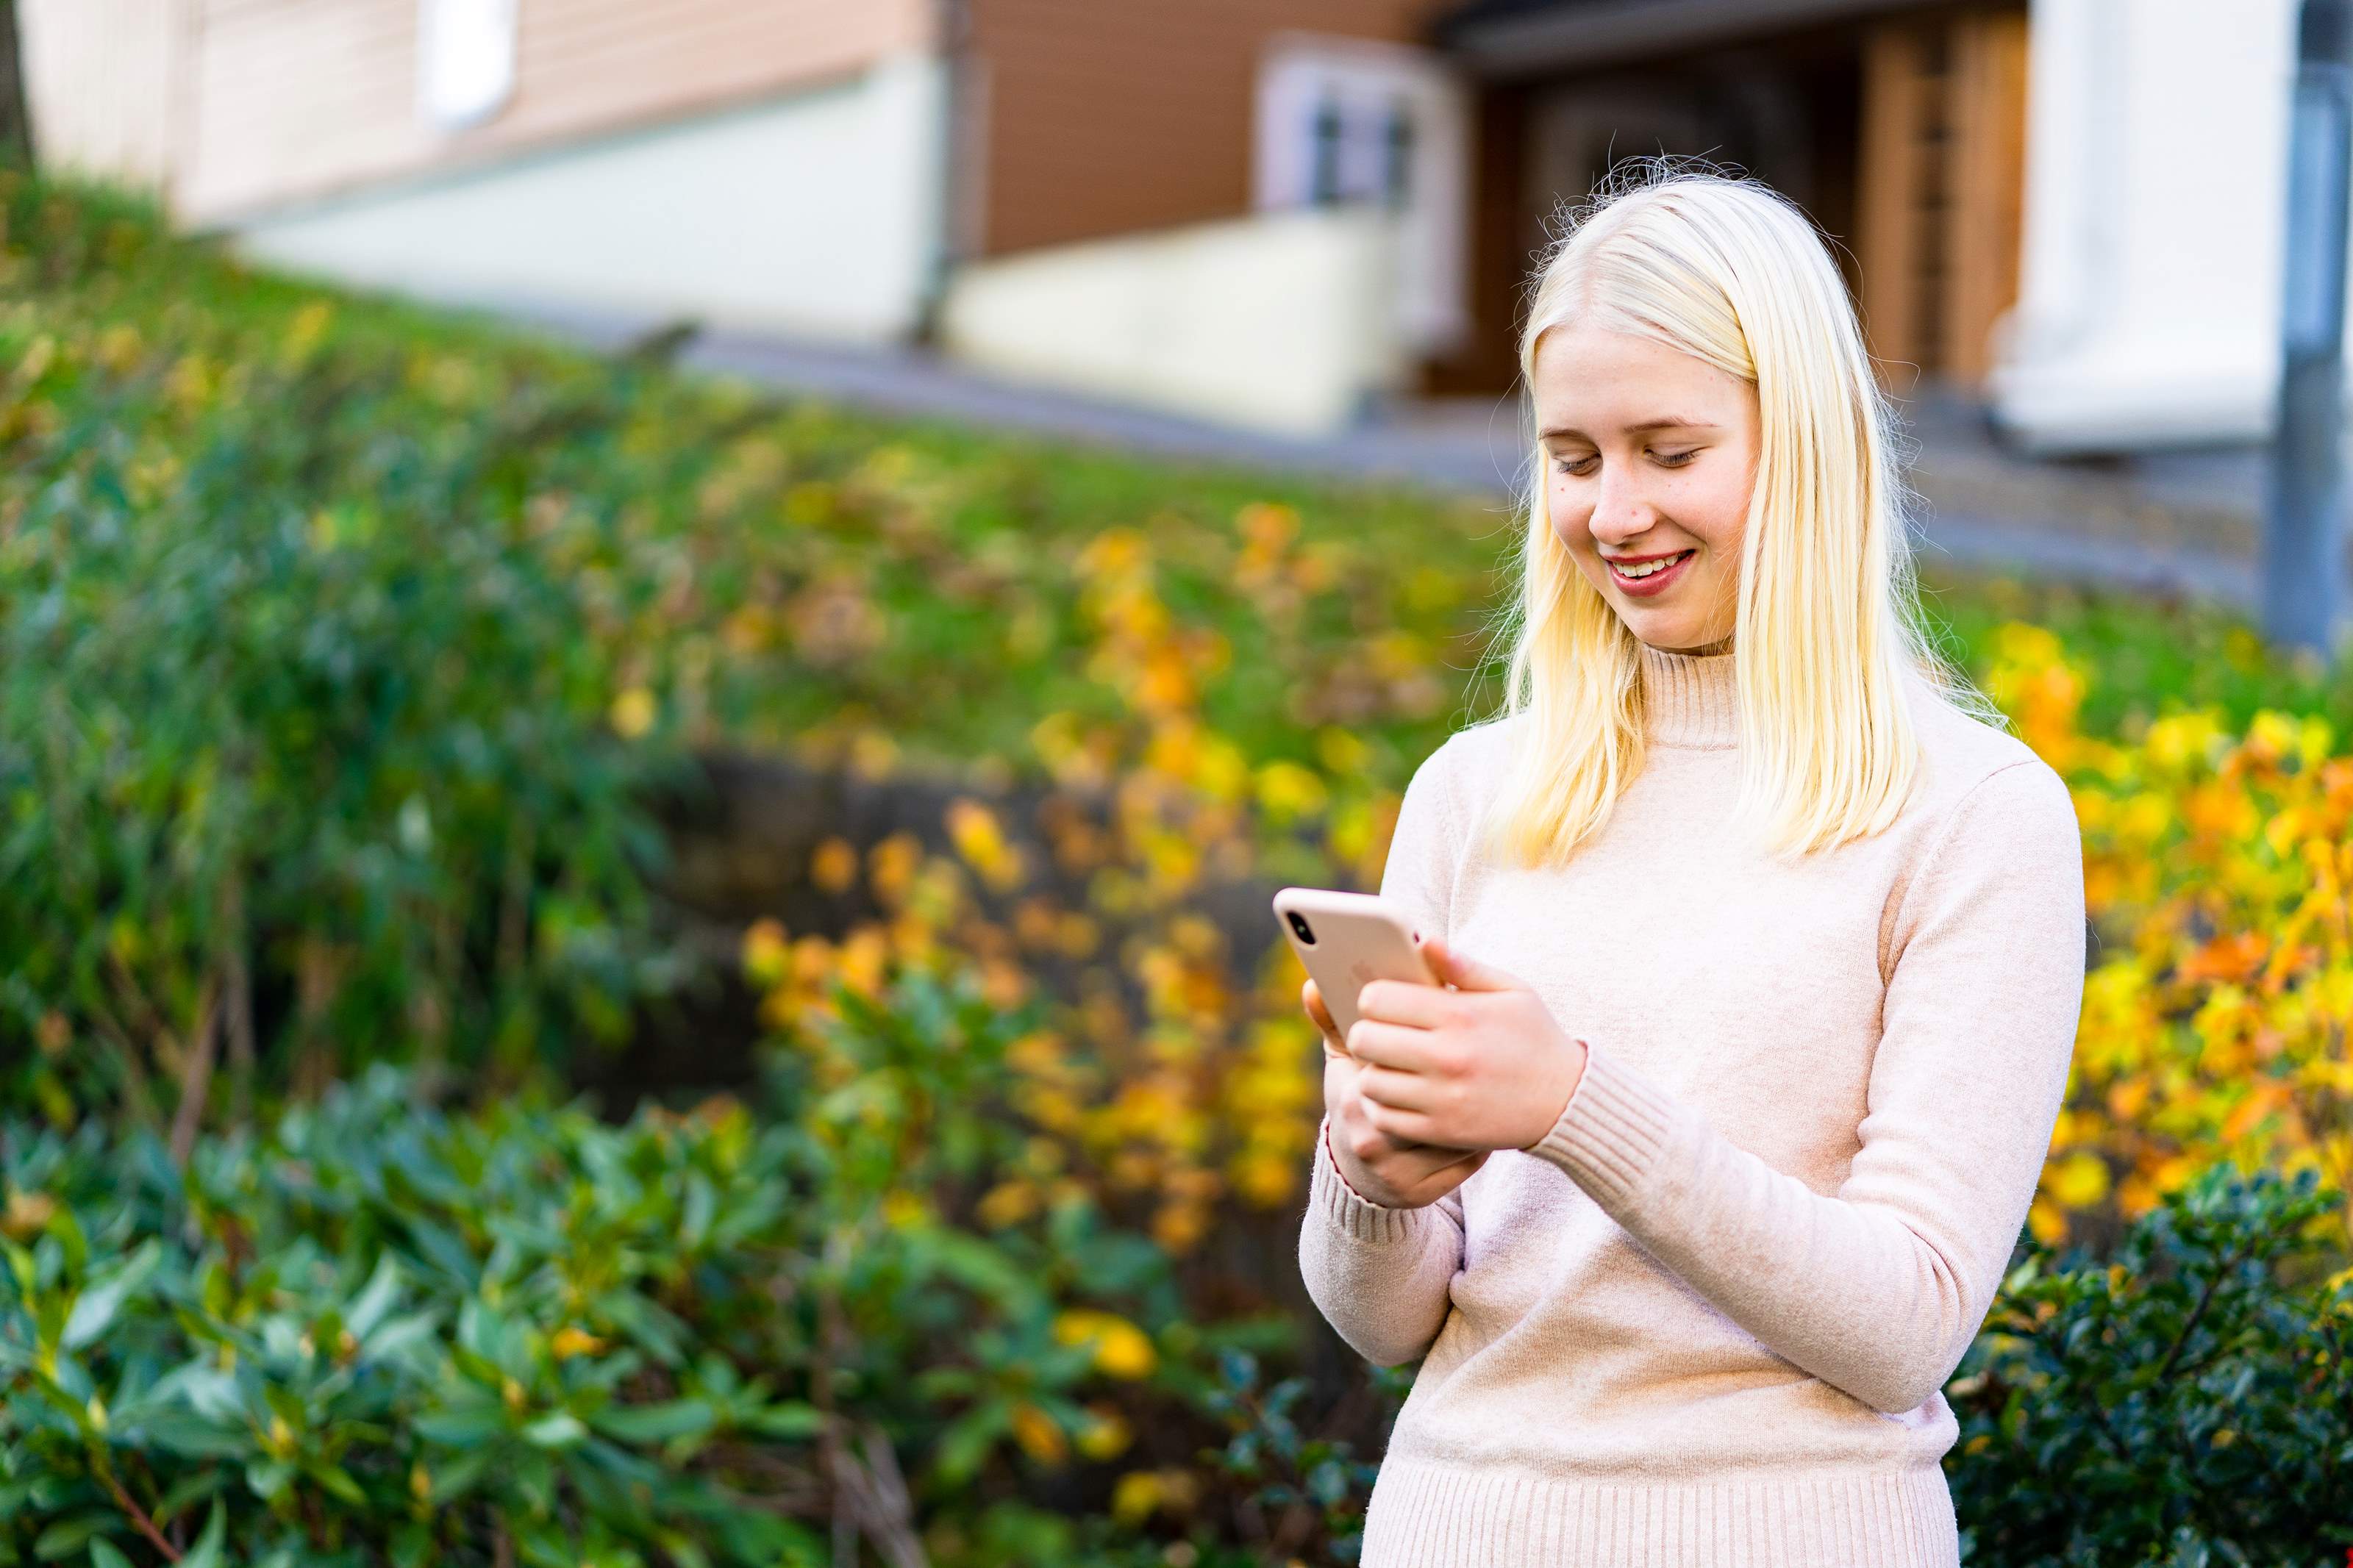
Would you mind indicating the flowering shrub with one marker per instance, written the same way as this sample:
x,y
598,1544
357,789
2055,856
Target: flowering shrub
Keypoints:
x,y
2219,870
344,643
381,1334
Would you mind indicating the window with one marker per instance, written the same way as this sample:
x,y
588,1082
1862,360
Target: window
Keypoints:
x,y
1346,121
1359,149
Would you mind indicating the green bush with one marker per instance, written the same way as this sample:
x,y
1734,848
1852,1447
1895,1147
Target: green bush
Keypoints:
x,y
304,755
2188,1402
382,1334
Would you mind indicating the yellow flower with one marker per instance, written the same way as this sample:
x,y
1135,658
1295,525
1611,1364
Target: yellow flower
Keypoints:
x,y
833,864
1107,1433
973,829
1036,1433
1222,772
765,953
1134,1496
874,754
570,1342
1287,790
1341,751
1121,1350
1007,1203
890,866
2079,1180
27,1214
632,712
308,325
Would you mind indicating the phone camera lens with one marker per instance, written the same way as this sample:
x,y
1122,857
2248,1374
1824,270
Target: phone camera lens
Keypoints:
x,y
1298,924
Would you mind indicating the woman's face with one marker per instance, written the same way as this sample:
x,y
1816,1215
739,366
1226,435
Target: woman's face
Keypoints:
x,y
1649,455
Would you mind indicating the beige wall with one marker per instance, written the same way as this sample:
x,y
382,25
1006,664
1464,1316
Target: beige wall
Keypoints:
x,y
277,101
103,77
1278,321
816,214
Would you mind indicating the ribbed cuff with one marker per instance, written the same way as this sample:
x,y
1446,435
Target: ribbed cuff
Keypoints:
x,y
1349,1211
1609,1133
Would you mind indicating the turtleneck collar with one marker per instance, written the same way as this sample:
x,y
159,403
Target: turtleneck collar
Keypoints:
x,y
1689,700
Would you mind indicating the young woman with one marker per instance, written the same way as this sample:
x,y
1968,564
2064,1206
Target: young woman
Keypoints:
x,y
1763,947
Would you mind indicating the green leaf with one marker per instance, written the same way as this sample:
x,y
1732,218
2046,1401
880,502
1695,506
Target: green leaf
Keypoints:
x,y
68,1536
789,1418
268,1478
375,1298
336,1480
964,1447
655,1423
102,1555
94,1308
464,1426
556,1430
207,1551
398,1334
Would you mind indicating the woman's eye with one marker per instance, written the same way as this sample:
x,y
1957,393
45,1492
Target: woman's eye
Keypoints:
x,y
1577,467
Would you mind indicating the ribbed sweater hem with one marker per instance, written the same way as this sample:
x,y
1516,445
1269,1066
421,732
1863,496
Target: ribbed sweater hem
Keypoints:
x,y
1429,1515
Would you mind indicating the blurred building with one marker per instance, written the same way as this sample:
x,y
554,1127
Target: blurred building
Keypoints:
x,y
1271,212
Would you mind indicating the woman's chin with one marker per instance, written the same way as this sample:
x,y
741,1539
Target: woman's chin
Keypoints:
x,y
1664,629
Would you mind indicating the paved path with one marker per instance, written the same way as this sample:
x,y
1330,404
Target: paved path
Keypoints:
x,y
2182,522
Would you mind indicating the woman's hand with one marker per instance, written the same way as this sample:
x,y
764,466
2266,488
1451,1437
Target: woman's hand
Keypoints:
x,y
1389,1170
1482,1066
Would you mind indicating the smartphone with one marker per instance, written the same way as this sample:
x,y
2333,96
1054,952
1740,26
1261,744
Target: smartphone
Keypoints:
x,y
1347,939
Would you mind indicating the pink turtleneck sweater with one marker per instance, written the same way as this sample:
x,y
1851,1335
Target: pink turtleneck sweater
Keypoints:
x,y
1706,1320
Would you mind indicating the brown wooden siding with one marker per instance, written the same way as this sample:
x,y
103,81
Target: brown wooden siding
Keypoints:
x,y
1942,178
301,97
1106,119
1502,238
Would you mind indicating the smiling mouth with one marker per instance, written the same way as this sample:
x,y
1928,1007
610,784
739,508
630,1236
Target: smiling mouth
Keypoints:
x,y
1649,568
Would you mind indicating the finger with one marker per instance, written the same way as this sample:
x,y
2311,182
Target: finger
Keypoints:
x,y
1313,1000
1462,1165
1440,1168
1404,1047
1402,1001
1402,1163
1398,1094
1465,972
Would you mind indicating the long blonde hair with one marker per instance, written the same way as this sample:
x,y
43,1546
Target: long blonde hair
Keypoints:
x,y
1825,629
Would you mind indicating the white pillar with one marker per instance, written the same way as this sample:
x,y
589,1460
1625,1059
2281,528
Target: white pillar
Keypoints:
x,y
2156,167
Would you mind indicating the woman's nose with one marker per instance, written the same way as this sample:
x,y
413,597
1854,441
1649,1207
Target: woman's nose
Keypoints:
x,y
1620,511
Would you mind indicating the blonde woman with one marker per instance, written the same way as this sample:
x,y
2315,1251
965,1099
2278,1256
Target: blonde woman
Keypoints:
x,y
1764,948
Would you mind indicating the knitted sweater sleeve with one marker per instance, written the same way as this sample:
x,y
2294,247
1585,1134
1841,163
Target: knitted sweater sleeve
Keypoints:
x,y
1879,1288
1380,1275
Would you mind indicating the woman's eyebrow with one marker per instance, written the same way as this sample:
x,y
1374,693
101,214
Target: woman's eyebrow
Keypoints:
x,y
1668,423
